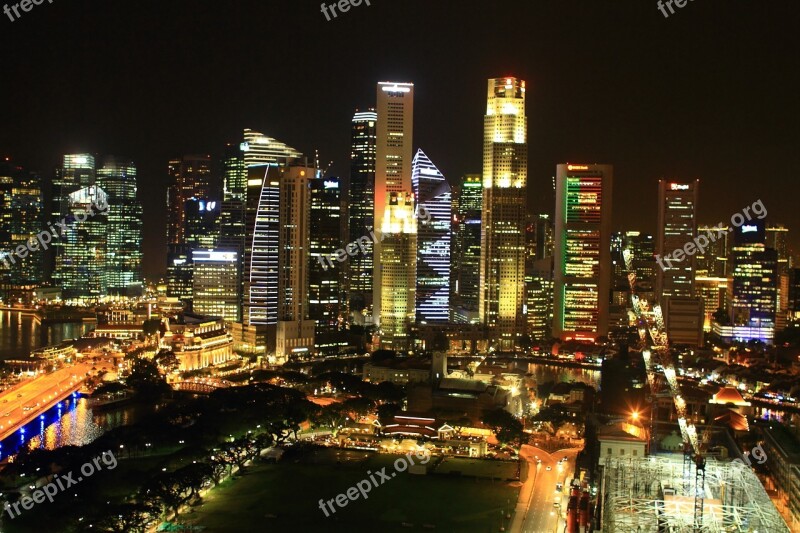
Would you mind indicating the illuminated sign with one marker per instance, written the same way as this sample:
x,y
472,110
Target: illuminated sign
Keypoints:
x,y
577,167
678,187
331,184
749,229
244,147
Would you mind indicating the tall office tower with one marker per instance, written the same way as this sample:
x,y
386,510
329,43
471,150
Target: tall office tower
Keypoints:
x,y
21,219
362,207
393,153
505,176
583,251
117,177
189,177
544,236
295,335
262,223
325,283
432,192
753,287
202,223
234,173
258,149
677,225
399,261
777,236
643,248
539,298
713,261
216,284
465,273
77,171
80,260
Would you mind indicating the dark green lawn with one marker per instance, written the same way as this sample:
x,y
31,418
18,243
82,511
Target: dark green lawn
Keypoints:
x,y
291,491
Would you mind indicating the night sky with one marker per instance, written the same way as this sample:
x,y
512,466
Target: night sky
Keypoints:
x,y
710,93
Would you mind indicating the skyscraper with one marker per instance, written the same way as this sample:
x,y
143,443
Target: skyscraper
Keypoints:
x,y
505,176
777,237
432,193
21,218
677,225
753,288
261,246
393,153
466,261
216,284
582,251
189,177
258,149
325,283
117,177
80,253
399,261
362,206
295,336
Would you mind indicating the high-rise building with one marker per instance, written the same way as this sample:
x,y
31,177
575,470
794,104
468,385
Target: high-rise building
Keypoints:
x,y
202,223
583,251
777,237
794,292
362,207
21,219
258,149
216,284
325,283
80,252
432,193
677,225
713,261
544,236
753,287
117,177
393,156
539,294
505,177
189,177
261,247
234,173
466,263
399,261
295,335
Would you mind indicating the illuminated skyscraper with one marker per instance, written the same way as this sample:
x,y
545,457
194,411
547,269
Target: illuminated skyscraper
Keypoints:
x,y
753,288
325,283
117,177
295,336
261,246
216,284
258,149
21,218
582,251
362,206
393,156
80,253
234,173
466,262
505,176
399,261
189,178
432,193
777,237
677,225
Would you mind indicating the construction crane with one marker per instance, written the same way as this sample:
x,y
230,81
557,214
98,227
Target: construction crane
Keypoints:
x,y
694,448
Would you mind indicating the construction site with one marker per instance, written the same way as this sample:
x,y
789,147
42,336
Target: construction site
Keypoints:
x,y
662,493
676,492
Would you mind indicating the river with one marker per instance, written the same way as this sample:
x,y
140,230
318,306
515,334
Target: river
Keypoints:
x,y
21,334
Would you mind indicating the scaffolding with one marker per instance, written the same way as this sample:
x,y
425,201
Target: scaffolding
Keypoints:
x,y
651,494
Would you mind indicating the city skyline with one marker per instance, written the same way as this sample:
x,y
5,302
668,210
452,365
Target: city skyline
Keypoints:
x,y
666,50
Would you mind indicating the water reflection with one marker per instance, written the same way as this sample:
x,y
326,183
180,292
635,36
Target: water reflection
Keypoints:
x,y
69,423
21,334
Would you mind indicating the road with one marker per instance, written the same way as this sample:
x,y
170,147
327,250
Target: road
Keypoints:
x,y
535,512
37,395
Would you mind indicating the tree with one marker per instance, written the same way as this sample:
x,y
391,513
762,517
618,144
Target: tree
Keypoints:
x,y
146,379
333,416
123,518
506,426
167,360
